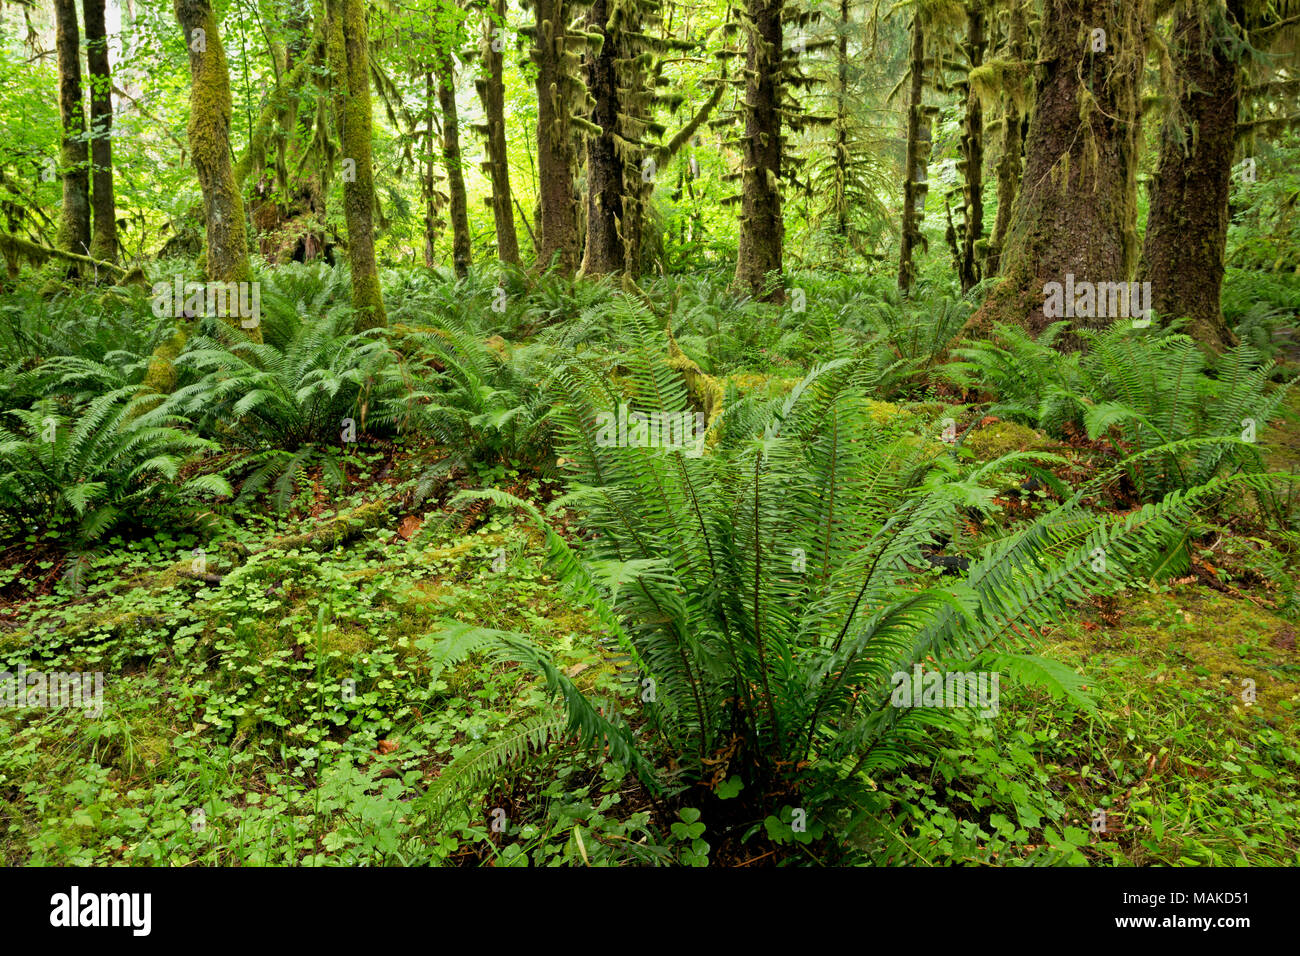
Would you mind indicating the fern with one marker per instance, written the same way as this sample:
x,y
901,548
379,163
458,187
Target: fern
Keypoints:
x,y
112,463
770,588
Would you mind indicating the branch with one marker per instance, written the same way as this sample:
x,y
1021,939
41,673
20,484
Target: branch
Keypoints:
x,y
37,253
664,153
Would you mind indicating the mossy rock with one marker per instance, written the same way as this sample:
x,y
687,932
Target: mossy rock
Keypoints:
x,y
1001,438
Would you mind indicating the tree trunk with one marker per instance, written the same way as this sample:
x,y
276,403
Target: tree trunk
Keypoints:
x,y
209,136
558,242
762,230
1187,229
604,248
461,254
1075,216
74,222
917,158
491,91
428,182
840,160
223,208
1013,142
103,241
350,70
973,154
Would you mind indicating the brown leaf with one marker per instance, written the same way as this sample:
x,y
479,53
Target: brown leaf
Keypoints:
x,y
408,526
386,747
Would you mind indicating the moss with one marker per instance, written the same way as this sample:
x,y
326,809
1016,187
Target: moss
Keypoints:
x,y
160,379
1213,642
705,390
347,53
762,384
329,534
882,413
1001,438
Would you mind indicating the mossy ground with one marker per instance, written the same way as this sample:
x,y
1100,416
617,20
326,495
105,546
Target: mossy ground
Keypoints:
x,y
291,712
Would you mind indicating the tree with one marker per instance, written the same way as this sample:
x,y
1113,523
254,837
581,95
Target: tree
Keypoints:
x,y
1008,78
603,251
970,266
209,138
458,205
762,228
349,60
621,171
74,222
103,241
1075,214
1187,228
491,91
560,93
917,157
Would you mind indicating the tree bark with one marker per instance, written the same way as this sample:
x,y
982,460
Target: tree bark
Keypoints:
x,y
917,158
491,91
103,240
428,190
973,153
1076,211
1187,229
209,137
74,222
762,229
604,248
1011,163
458,205
350,70
558,242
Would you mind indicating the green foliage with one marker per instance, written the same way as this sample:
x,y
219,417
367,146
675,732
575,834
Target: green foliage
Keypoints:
x,y
76,345
692,572
113,463
291,401
1144,390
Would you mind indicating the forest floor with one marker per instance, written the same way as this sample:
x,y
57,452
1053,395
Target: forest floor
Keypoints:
x,y
209,751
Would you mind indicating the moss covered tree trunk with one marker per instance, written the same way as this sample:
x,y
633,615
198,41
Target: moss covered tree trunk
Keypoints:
x,y
1075,214
916,157
103,240
349,58
74,220
1187,229
428,178
491,91
226,254
972,144
457,202
1011,163
558,242
604,247
209,136
840,158
762,230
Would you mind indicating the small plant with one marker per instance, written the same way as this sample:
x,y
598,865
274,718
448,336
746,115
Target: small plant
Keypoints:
x,y
111,463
